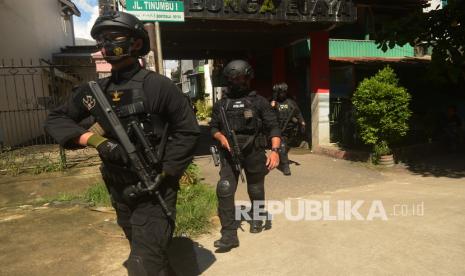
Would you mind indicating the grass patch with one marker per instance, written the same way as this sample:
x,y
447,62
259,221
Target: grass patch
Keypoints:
x,y
195,207
97,195
191,175
47,165
62,197
16,162
196,203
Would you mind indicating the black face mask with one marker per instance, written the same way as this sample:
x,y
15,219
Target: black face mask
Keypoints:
x,y
116,47
282,96
238,87
237,90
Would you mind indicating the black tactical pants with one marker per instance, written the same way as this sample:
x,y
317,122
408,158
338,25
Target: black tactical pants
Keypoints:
x,y
255,171
145,225
283,154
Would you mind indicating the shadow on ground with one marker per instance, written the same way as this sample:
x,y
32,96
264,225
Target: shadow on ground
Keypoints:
x,y
189,258
445,165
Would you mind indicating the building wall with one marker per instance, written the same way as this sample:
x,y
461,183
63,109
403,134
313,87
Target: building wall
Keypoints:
x,y
434,4
30,30
186,65
33,29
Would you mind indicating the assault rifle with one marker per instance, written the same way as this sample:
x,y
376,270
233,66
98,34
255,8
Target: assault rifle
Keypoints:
x,y
232,140
143,161
288,119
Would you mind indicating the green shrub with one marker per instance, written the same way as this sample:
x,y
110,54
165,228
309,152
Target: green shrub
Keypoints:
x,y
379,150
382,110
204,111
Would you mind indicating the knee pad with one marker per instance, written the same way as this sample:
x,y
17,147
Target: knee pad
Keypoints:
x,y
256,191
224,188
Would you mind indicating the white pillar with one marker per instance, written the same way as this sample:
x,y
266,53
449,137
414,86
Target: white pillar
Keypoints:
x,y
320,87
208,82
320,118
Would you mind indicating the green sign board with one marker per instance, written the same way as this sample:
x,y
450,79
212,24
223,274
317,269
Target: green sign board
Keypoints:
x,y
156,10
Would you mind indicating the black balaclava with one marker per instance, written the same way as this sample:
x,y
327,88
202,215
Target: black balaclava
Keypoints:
x,y
281,91
282,96
238,87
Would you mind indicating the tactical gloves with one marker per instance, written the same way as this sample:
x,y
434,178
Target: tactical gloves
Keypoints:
x,y
108,150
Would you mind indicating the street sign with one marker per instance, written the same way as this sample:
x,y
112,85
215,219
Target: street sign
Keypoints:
x,y
156,10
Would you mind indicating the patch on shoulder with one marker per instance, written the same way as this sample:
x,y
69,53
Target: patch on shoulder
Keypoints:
x,y
89,102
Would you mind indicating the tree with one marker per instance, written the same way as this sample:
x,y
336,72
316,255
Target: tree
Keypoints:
x,y
382,109
441,29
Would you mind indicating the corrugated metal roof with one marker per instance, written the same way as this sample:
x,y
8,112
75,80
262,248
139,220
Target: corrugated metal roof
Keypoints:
x,y
366,48
374,60
348,48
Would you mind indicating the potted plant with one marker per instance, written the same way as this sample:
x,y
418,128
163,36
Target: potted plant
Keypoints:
x,y
382,113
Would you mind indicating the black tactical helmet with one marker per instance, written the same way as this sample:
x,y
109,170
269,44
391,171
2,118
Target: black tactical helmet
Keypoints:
x,y
280,87
238,74
238,68
122,21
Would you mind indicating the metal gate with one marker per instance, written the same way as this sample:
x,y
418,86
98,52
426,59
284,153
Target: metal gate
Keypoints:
x,y
28,90
342,122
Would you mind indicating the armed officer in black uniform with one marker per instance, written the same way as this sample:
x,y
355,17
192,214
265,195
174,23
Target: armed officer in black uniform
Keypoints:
x,y
253,121
290,119
158,105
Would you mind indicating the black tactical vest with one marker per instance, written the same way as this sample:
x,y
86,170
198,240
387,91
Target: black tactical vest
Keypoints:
x,y
243,117
284,110
127,100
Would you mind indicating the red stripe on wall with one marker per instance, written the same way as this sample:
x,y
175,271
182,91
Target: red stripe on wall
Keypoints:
x,y
319,62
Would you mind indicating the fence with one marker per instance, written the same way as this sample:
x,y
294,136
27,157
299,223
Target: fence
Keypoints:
x,y
342,123
28,91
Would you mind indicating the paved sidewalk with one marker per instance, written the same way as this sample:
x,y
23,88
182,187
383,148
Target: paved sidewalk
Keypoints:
x,y
423,233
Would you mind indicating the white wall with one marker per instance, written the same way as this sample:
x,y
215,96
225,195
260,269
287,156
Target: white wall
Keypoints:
x,y
434,4
186,65
207,69
29,30
33,29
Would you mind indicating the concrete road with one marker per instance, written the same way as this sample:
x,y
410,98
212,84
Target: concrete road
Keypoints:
x,y
417,226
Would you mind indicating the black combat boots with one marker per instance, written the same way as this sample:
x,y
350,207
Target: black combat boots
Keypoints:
x,y
256,226
286,170
227,242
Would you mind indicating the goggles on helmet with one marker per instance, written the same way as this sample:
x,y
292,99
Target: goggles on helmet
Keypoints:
x,y
112,37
